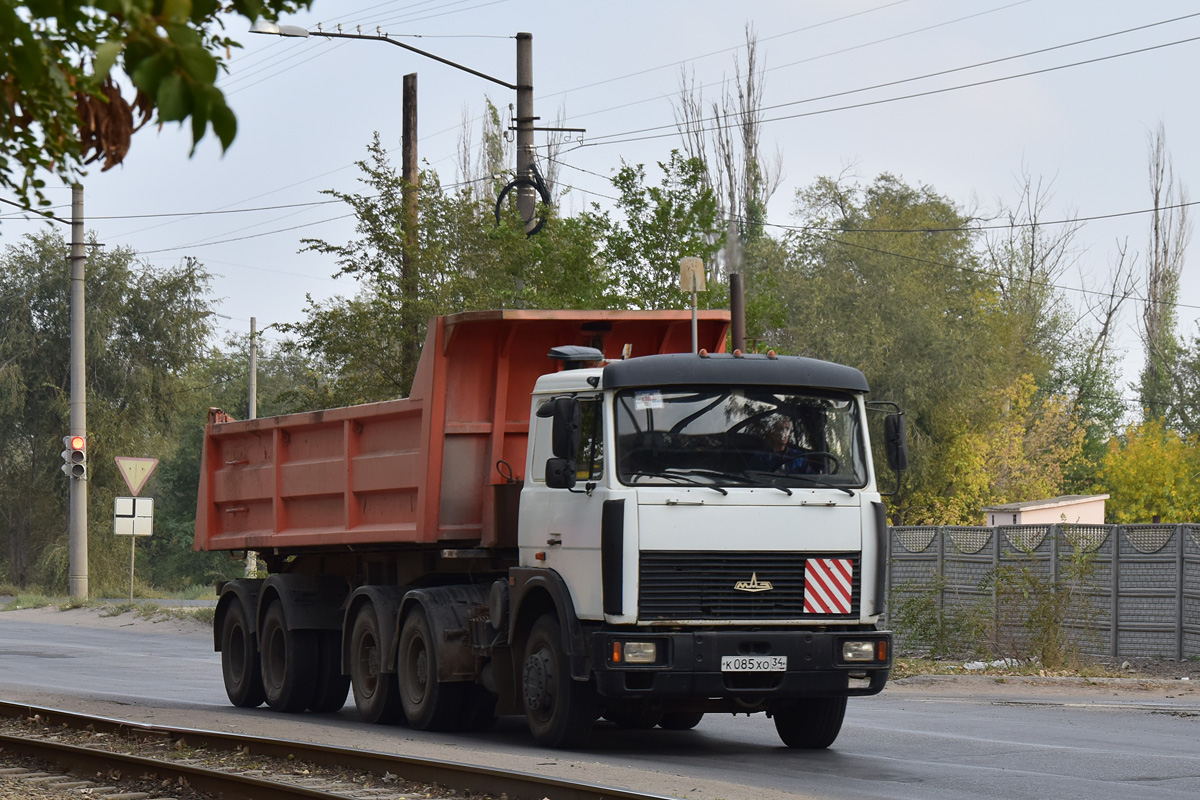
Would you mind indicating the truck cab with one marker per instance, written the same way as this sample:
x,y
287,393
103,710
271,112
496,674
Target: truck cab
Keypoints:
x,y
716,522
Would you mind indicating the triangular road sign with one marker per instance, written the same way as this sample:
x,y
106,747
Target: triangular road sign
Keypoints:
x,y
135,471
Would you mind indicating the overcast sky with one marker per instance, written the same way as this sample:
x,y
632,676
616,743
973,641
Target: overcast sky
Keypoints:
x,y
307,109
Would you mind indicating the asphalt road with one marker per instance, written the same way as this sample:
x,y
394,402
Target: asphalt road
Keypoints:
x,y
945,738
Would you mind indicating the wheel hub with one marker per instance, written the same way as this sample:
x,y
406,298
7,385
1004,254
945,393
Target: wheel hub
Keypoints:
x,y
539,682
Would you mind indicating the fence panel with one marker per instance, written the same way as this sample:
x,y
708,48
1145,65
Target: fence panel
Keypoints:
x,y
1138,586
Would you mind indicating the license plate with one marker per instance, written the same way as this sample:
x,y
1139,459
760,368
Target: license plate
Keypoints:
x,y
753,663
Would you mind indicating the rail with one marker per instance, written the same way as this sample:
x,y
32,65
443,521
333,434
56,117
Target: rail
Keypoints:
x,y
448,774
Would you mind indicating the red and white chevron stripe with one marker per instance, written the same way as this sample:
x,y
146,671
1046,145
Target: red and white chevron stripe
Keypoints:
x,y
827,585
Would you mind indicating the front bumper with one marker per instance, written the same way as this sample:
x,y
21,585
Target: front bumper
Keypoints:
x,y
689,664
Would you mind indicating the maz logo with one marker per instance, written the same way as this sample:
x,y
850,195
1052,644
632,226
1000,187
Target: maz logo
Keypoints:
x,y
753,585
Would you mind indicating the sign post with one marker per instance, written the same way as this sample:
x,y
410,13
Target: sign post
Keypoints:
x,y
134,516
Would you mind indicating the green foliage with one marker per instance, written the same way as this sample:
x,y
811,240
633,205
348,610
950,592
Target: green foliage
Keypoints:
x,y
144,327
57,59
1033,608
924,621
661,225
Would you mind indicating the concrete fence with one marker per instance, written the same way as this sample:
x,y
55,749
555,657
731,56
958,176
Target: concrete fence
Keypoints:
x,y
1141,596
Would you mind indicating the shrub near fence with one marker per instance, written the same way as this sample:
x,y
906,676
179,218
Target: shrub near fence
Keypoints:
x,y
1134,589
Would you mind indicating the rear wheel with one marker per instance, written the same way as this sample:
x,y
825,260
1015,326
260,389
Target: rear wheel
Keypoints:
x,y
376,694
332,685
680,720
240,660
289,662
810,723
429,704
559,709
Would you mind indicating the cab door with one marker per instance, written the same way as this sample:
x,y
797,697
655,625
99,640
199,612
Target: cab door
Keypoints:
x,y
560,527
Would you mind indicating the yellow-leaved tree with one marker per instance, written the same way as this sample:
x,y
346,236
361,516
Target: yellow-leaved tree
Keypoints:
x,y
1151,471
1016,449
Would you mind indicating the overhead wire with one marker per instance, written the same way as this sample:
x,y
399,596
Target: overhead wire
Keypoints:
x,y
629,135
726,81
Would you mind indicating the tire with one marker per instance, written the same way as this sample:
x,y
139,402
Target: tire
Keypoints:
x,y
376,695
240,665
560,710
429,704
332,685
680,720
811,723
289,662
636,716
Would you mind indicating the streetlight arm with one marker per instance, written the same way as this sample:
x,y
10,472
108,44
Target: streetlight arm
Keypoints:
x,y
263,26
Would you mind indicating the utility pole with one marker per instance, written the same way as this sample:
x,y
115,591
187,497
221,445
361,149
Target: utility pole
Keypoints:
x,y
252,413
253,410
526,202
411,176
77,542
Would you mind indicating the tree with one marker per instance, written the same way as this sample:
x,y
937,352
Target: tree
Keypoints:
x,y
61,106
1150,475
661,224
464,261
145,326
1170,232
885,277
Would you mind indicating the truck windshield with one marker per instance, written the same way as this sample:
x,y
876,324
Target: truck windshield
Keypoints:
x,y
739,437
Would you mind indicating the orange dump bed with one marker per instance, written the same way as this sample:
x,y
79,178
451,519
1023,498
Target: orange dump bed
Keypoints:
x,y
421,470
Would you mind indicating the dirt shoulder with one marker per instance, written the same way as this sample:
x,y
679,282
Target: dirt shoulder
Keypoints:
x,y
145,618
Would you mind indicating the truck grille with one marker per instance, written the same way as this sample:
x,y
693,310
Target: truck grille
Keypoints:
x,y
700,585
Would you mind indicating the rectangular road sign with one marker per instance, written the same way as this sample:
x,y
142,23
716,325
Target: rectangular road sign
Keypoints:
x,y
133,516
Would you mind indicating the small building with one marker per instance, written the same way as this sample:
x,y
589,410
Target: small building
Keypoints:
x,y
1075,509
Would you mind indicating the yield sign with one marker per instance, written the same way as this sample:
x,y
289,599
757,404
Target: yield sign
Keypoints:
x,y
135,471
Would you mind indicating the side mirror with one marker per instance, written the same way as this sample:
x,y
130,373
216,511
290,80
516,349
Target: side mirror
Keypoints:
x,y
895,442
564,440
560,473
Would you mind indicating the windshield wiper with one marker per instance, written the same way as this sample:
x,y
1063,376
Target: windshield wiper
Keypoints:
x,y
677,477
758,478
811,479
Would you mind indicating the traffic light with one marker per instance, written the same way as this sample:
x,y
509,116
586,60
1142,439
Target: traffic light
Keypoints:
x,y
75,457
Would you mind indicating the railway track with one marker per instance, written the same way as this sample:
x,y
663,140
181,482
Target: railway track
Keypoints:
x,y
253,767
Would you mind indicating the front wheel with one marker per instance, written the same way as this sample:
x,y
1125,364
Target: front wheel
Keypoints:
x,y
559,709
239,659
810,723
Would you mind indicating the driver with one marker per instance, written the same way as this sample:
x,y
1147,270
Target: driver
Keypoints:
x,y
782,455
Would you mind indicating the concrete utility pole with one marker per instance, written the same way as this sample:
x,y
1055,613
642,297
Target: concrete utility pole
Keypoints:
x,y
253,410
526,201
77,532
252,413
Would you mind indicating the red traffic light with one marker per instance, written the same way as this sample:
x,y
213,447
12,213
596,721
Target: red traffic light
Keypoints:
x,y
76,443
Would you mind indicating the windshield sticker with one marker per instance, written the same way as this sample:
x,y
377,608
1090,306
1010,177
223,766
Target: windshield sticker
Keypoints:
x,y
648,400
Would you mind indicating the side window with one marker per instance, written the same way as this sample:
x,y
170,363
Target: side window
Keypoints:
x,y
540,438
590,462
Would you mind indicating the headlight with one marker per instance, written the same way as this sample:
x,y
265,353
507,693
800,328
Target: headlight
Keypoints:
x,y
635,652
858,651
